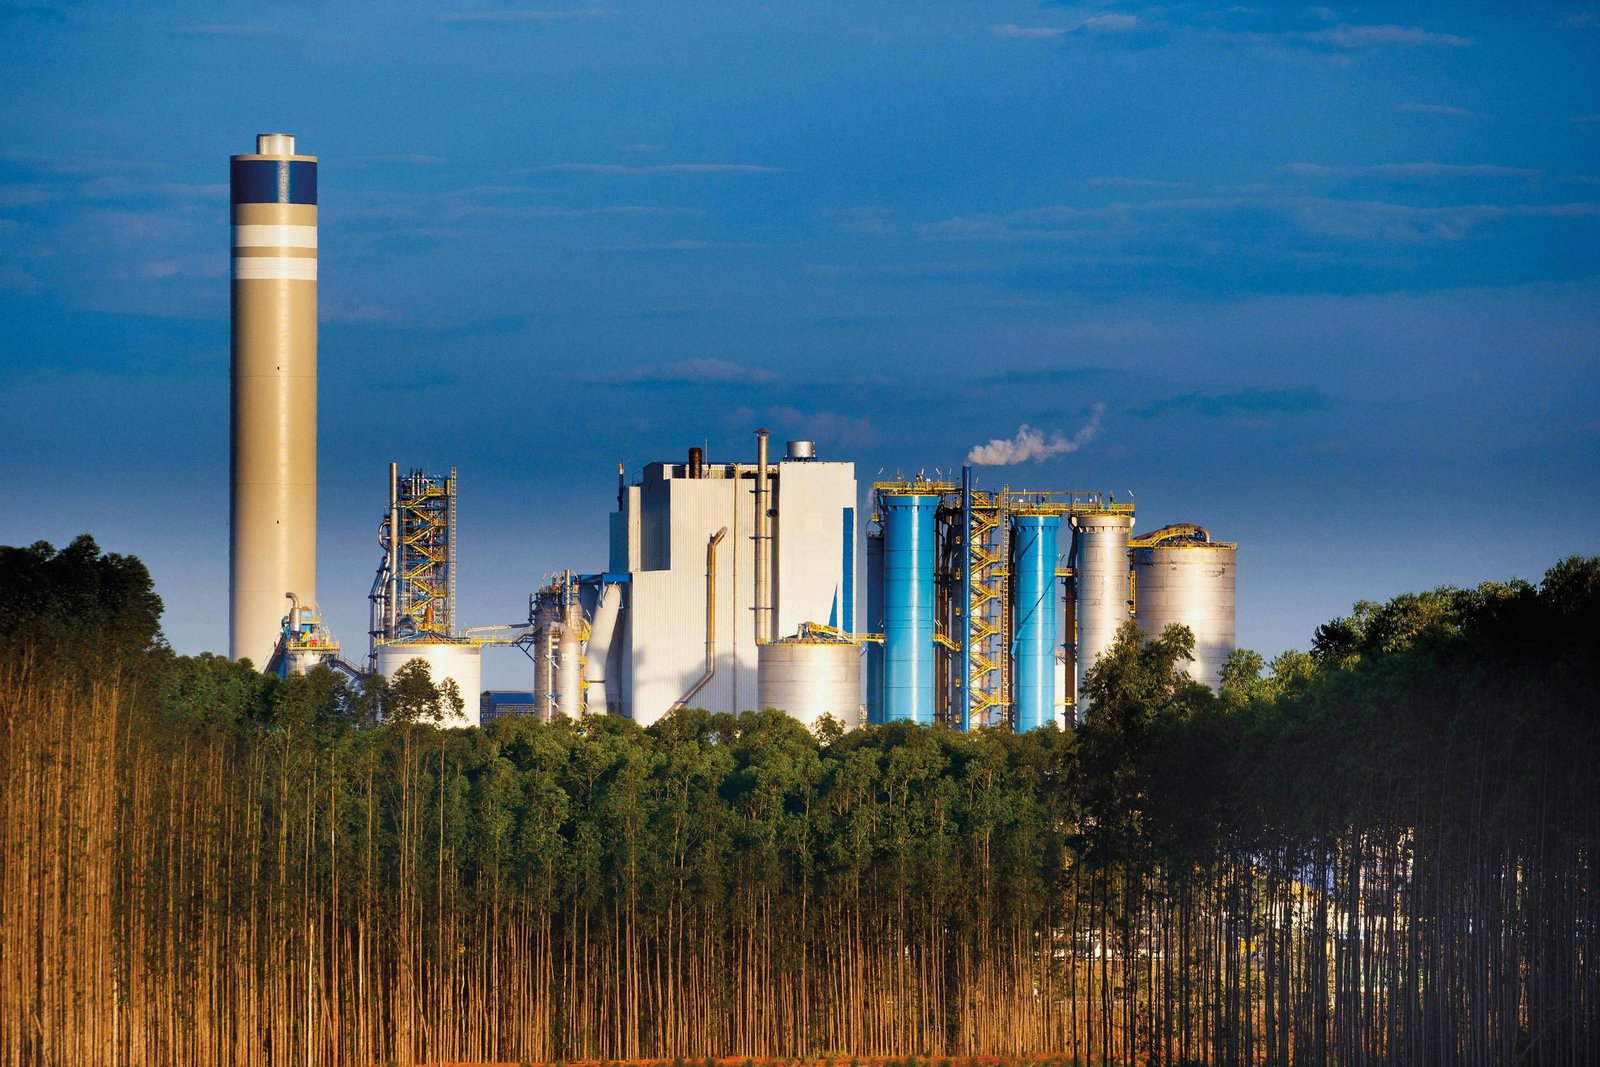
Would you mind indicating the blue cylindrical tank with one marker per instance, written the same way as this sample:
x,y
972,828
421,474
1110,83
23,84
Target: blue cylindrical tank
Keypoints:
x,y
908,606
874,625
1033,650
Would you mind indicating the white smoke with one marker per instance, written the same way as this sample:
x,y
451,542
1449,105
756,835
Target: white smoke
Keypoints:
x,y
1032,444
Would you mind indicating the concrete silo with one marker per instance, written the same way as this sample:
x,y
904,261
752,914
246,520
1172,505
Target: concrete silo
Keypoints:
x,y
1181,575
1100,554
811,676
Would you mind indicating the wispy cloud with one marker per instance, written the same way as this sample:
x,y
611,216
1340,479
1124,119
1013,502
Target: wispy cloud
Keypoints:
x,y
689,245
1095,24
1048,376
523,15
1036,33
1034,445
1587,120
414,159
704,371
1434,109
1192,220
1366,220
1250,401
29,194
828,427
465,208
226,29
1113,23
658,168
1413,171
77,165
871,220
1356,37
1132,183
1336,44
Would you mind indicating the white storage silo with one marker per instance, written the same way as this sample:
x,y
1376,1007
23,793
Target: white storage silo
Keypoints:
x,y
1181,575
808,678
458,661
1100,549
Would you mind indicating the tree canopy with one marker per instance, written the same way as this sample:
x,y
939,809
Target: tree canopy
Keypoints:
x,y
1381,849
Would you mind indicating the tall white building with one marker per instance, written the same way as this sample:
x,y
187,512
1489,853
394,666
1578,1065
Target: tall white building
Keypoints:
x,y
685,534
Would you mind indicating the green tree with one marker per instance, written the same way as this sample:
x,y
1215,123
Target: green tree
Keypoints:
x,y
78,593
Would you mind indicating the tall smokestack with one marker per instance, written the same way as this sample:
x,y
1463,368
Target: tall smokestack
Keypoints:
x,y
273,544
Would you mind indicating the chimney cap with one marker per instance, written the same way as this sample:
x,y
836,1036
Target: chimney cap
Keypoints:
x,y
274,144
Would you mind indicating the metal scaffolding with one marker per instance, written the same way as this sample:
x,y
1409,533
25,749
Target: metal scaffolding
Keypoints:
x,y
413,595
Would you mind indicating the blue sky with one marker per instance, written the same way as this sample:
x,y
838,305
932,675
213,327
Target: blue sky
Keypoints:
x,y
1330,276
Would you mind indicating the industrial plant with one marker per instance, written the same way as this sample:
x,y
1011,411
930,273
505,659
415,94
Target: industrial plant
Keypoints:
x,y
728,586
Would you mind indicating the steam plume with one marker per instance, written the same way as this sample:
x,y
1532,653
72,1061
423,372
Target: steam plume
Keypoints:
x,y
1031,444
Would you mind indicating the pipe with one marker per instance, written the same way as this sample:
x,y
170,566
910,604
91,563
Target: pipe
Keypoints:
x,y
544,682
763,540
711,619
601,637
569,670
875,623
696,463
392,619
964,695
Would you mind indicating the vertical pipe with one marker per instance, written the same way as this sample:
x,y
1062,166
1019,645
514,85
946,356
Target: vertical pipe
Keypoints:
x,y
875,625
711,620
908,606
964,712
763,543
544,672
392,615
602,690
1069,615
1033,608
450,554
945,662
273,476
569,654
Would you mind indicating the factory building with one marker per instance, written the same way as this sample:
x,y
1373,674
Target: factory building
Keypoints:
x,y
496,703
719,557
729,586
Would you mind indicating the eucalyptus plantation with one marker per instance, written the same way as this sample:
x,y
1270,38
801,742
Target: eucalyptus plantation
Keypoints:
x,y
1381,851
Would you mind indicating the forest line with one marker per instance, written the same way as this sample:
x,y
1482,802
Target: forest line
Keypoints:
x,y
1379,851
